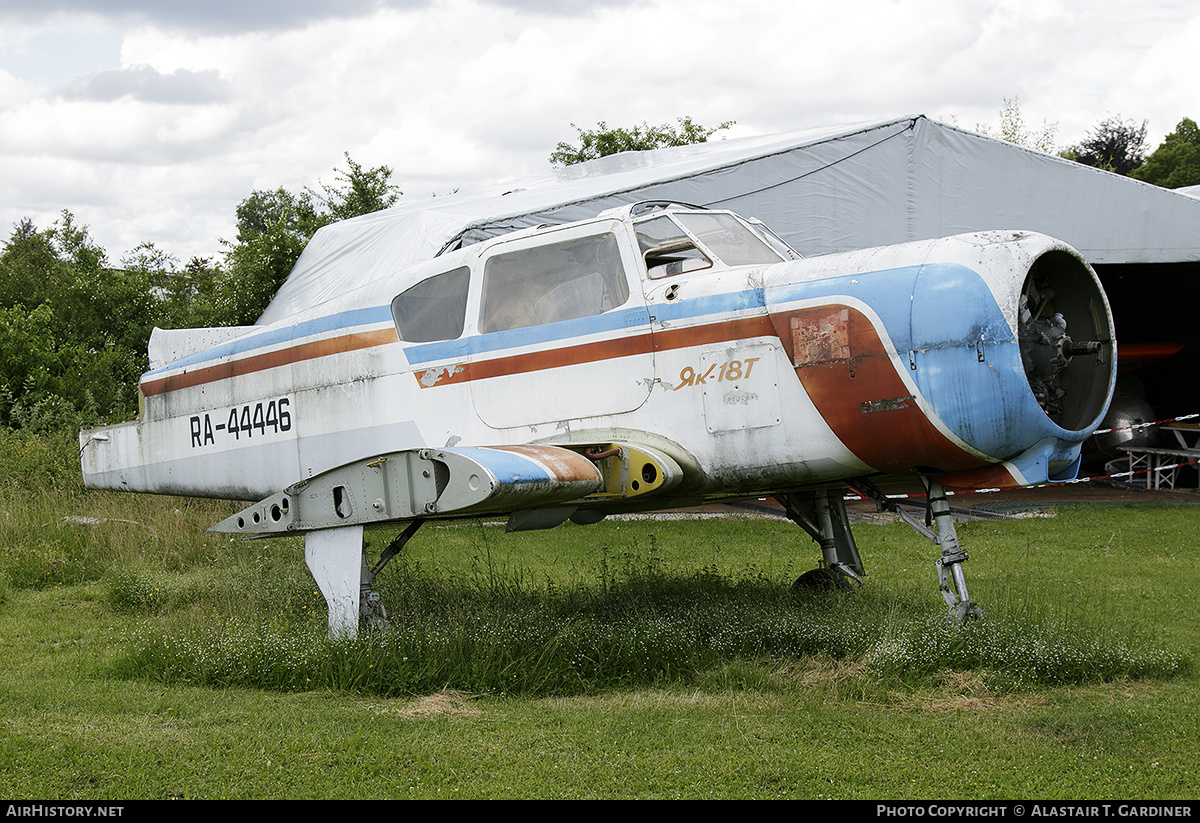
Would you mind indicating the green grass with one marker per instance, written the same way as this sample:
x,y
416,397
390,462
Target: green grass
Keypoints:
x,y
643,625
147,659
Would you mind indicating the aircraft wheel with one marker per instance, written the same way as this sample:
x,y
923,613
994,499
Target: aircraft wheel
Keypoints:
x,y
824,579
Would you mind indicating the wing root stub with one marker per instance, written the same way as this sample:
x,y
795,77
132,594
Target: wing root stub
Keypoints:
x,y
461,481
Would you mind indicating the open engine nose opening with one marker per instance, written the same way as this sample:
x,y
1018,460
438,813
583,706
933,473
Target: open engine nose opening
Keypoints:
x,y
1066,340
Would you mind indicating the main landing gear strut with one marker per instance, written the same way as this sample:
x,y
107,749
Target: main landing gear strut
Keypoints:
x,y
822,514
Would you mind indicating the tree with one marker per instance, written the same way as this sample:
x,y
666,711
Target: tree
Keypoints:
x,y
273,227
29,267
1012,128
362,192
1176,162
73,331
186,297
1114,145
603,141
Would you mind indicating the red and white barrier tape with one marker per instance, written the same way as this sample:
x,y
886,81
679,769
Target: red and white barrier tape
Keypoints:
x,y
1147,425
1068,482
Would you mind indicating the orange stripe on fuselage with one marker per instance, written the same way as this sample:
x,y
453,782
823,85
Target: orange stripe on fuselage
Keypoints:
x,y
270,360
862,397
549,358
659,340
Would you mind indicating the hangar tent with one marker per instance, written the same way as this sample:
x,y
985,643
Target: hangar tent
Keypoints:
x,y
824,191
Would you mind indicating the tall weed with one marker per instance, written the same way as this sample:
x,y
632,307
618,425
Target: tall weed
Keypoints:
x,y
639,627
55,532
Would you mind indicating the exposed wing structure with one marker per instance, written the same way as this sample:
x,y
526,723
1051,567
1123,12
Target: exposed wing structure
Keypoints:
x,y
427,483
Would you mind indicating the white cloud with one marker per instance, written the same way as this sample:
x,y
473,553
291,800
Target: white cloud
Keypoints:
x,y
1161,86
203,105
48,56
147,85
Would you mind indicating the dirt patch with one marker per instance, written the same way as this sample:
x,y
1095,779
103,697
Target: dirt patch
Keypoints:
x,y
965,692
445,703
820,669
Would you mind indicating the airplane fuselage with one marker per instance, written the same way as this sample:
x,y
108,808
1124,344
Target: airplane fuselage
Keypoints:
x,y
753,371
652,357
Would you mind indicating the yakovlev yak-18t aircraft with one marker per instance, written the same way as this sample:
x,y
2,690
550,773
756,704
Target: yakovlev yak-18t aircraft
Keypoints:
x,y
656,356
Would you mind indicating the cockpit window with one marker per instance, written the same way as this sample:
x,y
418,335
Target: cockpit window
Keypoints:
x,y
727,238
552,282
668,249
659,231
434,309
671,247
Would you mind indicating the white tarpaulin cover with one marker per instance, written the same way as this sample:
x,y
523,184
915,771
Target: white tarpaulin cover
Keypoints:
x,y
822,191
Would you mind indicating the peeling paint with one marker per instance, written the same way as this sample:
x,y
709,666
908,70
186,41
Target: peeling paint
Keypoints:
x,y
889,404
431,377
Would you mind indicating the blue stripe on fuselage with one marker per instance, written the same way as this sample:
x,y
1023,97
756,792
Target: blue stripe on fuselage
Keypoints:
x,y
273,336
889,293
949,301
564,331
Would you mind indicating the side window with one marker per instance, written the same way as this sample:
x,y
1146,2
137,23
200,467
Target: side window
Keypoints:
x,y
434,309
551,283
667,249
668,261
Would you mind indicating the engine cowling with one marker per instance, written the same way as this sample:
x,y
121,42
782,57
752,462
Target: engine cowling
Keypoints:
x,y
982,359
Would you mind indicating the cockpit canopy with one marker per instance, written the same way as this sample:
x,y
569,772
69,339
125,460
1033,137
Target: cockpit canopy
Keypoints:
x,y
557,273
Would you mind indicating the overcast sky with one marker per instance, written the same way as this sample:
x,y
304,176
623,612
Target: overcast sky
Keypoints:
x,y
150,120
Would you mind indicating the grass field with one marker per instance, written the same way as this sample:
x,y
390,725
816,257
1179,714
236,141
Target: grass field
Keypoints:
x,y
631,659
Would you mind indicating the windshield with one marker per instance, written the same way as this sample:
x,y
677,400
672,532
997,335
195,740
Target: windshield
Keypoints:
x,y
681,242
726,237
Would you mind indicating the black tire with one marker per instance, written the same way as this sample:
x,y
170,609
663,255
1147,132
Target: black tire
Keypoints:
x,y
825,579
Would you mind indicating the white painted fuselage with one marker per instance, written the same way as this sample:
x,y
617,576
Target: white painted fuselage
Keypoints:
x,y
753,377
